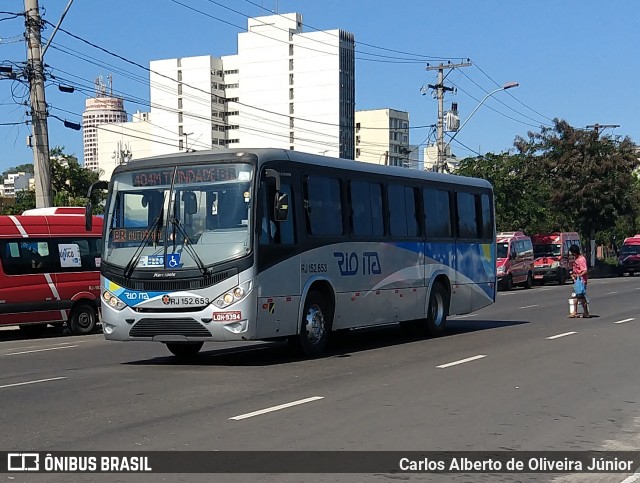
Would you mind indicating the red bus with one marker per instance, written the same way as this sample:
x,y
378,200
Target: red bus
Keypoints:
x,y
50,270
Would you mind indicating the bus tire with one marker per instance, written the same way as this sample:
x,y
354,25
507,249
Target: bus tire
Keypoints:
x,y
184,350
508,284
436,320
83,319
315,326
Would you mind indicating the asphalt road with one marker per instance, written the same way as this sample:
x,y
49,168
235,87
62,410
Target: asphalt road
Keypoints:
x,y
517,375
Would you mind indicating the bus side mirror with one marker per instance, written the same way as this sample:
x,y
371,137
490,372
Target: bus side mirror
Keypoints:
x,y
88,216
88,210
281,207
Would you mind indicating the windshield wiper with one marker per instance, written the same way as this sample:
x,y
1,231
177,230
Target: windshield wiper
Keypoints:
x,y
153,229
186,243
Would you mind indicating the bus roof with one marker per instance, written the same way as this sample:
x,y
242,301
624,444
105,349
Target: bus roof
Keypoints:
x,y
632,240
272,154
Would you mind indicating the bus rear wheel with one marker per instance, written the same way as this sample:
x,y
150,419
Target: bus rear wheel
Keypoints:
x,y
83,319
184,350
315,326
436,320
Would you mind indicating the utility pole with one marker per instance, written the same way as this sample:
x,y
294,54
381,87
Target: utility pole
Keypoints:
x,y
597,127
440,89
40,136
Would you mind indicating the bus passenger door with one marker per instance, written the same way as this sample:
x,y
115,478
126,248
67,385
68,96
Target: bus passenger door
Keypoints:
x,y
278,266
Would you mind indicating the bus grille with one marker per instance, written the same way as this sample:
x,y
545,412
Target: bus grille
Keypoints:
x,y
173,285
180,326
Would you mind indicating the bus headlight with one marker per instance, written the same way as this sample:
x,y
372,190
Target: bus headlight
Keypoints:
x,y
234,295
112,301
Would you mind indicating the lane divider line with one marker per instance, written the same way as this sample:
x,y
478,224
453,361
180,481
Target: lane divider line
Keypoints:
x,y
41,350
32,382
611,293
461,361
624,320
529,306
561,335
276,408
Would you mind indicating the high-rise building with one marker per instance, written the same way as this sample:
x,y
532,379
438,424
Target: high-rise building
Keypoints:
x,y
291,89
285,88
382,137
105,108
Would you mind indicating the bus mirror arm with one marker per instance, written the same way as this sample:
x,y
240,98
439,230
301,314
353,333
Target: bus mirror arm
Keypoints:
x,y
272,173
88,209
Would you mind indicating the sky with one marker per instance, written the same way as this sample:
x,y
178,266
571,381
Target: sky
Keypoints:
x,y
575,60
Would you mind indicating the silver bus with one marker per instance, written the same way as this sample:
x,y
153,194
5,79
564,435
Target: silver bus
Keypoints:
x,y
268,244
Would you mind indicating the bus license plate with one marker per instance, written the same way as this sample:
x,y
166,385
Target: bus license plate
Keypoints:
x,y
227,316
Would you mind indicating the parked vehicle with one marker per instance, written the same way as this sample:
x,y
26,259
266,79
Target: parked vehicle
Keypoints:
x,y
629,256
50,270
514,260
553,261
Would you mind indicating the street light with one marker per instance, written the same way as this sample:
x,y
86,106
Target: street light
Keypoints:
x,y
508,85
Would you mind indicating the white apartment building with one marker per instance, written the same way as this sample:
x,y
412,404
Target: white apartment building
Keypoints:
x,y
382,137
103,109
290,89
121,142
284,88
16,182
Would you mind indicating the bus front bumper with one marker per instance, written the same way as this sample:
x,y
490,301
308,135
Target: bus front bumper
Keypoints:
x,y
206,325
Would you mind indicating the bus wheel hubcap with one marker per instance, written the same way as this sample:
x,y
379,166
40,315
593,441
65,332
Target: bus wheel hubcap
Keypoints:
x,y
314,324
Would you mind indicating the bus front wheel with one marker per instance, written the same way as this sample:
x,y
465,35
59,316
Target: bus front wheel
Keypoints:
x,y
83,319
184,350
315,326
438,309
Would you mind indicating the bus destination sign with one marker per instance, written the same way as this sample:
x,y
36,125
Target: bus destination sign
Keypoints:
x,y
197,174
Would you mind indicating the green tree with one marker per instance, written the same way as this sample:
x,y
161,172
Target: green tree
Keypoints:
x,y
69,185
22,168
590,175
522,195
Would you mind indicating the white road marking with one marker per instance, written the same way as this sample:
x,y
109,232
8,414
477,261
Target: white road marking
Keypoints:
x,y
561,335
461,361
624,320
611,293
632,478
529,306
32,382
506,293
41,350
277,408
543,289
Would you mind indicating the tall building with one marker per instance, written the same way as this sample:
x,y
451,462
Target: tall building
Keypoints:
x,y
291,89
103,109
285,88
382,137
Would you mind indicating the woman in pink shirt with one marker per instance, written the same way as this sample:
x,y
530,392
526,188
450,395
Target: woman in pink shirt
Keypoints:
x,y
580,271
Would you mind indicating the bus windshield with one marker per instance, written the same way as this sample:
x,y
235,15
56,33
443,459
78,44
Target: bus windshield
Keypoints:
x,y
547,250
179,217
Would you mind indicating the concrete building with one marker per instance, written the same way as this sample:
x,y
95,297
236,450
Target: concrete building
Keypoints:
x,y
121,142
285,88
431,159
382,137
103,109
17,182
291,89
